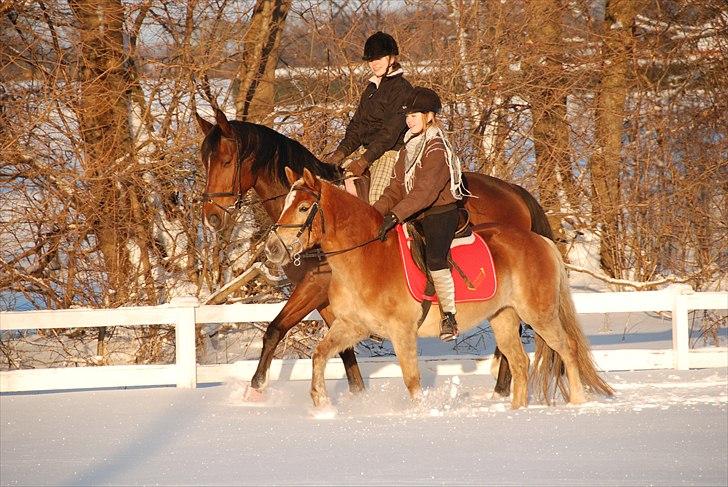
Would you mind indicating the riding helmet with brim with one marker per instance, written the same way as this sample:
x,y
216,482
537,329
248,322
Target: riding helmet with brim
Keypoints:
x,y
423,100
379,45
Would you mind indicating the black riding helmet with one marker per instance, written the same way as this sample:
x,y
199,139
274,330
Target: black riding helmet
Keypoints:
x,y
379,45
423,100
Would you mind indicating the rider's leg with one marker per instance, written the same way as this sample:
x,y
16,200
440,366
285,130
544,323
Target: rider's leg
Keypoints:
x,y
445,289
439,229
381,171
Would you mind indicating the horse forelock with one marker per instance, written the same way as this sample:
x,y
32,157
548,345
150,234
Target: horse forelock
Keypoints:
x,y
210,143
291,196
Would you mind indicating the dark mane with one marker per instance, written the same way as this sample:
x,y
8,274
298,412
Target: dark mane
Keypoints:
x,y
271,152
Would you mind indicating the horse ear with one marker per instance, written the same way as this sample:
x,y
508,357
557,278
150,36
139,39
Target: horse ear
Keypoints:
x,y
203,124
311,180
222,121
291,176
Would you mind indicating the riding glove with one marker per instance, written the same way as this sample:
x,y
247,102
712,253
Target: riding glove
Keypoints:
x,y
390,220
333,158
358,166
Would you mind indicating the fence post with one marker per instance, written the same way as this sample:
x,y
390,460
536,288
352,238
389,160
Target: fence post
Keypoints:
x,y
184,337
681,328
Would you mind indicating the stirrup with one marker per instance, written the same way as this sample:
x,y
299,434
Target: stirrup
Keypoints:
x,y
376,339
448,327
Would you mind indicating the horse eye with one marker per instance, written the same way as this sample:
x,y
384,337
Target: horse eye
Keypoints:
x,y
303,208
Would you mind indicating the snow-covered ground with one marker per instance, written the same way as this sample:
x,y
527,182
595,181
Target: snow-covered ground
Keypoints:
x,y
661,428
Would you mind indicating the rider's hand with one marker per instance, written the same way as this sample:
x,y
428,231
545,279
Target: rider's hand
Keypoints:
x,y
333,158
358,166
390,220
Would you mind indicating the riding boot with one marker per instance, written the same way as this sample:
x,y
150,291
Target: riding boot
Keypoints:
x,y
445,289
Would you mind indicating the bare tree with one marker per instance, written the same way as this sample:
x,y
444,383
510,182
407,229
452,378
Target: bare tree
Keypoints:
x,y
254,85
618,125
611,96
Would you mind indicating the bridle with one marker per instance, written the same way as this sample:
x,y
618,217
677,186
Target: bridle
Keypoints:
x,y
208,197
298,254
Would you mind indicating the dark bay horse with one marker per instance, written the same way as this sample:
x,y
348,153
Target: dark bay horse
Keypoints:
x,y
368,294
239,156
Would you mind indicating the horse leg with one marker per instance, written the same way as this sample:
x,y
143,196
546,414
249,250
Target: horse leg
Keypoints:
x,y
553,333
505,326
503,381
348,357
307,295
404,342
341,335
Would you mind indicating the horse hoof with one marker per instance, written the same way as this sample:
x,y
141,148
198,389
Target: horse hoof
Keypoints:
x,y
500,395
575,400
253,395
326,411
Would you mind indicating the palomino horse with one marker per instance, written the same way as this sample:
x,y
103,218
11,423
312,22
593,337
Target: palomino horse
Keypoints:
x,y
368,293
239,156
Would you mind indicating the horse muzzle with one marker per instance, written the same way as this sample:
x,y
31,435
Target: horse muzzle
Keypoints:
x,y
279,253
214,218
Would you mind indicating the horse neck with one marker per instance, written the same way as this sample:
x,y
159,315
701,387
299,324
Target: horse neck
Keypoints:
x,y
348,222
273,193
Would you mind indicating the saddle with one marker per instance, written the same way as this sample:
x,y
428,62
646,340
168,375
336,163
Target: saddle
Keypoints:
x,y
470,260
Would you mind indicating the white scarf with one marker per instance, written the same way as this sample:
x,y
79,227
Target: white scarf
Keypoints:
x,y
414,150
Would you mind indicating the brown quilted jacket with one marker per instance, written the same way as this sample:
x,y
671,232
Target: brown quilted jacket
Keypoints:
x,y
431,186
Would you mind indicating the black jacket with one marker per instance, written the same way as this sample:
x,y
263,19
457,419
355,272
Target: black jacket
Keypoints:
x,y
379,121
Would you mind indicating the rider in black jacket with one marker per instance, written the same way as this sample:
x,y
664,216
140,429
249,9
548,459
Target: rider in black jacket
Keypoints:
x,y
378,124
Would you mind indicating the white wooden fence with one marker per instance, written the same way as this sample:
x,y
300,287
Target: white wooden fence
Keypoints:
x,y
185,313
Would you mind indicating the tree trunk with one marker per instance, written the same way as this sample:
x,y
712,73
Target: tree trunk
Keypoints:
x,y
605,163
547,99
254,88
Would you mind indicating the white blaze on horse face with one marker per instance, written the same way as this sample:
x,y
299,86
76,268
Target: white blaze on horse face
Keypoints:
x,y
289,199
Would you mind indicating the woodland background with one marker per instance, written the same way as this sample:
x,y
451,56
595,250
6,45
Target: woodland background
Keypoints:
x,y
613,113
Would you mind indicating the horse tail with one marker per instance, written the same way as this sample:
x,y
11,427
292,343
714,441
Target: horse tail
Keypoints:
x,y
567,316
548,368
547,373
539,222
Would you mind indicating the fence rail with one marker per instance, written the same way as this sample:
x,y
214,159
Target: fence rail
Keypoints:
x,y
186,312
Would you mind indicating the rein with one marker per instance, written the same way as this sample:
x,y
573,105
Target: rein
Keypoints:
x,y
319,254
237,192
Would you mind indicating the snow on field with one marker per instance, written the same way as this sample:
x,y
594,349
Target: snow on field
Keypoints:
x,y
661,428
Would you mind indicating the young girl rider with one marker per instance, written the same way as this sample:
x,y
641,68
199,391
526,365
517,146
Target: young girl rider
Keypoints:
x,y
426,184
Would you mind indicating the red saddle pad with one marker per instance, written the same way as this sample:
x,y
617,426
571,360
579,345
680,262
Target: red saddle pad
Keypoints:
x,y
470,253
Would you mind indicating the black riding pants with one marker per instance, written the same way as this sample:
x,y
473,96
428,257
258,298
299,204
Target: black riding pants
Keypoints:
x,y
439,229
